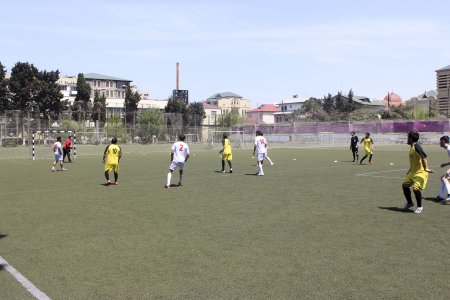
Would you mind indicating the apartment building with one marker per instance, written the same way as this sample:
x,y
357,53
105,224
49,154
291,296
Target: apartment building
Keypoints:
x,y
443,90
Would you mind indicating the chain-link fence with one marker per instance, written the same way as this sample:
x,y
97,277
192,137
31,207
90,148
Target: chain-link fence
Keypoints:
x,y
16,128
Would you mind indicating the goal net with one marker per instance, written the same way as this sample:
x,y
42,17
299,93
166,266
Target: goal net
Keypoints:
x,y
40,146
237,139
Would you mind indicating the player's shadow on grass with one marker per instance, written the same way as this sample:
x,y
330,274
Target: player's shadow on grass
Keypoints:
x,y
396,209
3,235
2,267
432,199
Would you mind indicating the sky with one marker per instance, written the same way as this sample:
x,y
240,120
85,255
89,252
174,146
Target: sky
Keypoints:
x,y
265,51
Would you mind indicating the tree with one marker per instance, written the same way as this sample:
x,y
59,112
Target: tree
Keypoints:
x,y
48,96
196,113
82,98
131,104
328,103
311,110
177,111
99,107
229,119
23,86
4,94
398,112
151,124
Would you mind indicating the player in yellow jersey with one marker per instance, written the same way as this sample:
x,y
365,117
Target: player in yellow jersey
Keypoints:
x,y
417,175
226,153
368,147
111,158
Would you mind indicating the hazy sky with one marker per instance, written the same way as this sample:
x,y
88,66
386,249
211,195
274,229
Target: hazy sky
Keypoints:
x,y
265,51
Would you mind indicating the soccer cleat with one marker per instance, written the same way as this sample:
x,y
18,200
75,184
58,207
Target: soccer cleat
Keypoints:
x,y
418,210
167,186
108,182
271,164
231,171
223,171
180,184
116,183
63,169
408,205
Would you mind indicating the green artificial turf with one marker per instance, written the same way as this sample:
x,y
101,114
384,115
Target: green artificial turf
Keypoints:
x,y
311,228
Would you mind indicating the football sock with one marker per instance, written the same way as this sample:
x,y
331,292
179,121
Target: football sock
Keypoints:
x,y
116,177
443,192
418,195
169,178
407,193
181,180
447,187
229,164
223,165
370,157
107,176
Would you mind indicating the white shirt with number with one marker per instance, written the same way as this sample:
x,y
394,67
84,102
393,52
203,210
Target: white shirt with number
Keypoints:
x,y
57,148
260,143
180,151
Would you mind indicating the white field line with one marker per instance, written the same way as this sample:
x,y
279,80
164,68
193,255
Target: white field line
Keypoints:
x,y
373,174
38,294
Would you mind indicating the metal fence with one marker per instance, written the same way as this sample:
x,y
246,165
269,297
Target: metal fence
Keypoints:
x,y
16,128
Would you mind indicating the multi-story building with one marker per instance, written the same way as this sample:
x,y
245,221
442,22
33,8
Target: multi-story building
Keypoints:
x,y
443,90
228,102
112,88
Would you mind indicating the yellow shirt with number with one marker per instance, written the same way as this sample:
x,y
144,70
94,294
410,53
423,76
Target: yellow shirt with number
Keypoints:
x,y
113,153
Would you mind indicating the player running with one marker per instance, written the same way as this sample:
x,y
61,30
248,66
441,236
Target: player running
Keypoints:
x,y
57,150
368,147
444,196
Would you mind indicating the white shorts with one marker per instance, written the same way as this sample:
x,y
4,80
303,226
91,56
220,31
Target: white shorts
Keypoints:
x,y
260,156
176,164
58,157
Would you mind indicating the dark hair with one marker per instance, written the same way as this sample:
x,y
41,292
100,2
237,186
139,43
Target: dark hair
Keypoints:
x,y
414,136
114,140
181,137
225,135
58,139
368,133
445,139
353,132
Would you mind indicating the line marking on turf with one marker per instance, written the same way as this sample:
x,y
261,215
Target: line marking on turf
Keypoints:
x,y
38,294
372,174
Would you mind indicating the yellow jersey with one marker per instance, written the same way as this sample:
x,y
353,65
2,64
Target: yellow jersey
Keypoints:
x,y
226,146
112,154
416,154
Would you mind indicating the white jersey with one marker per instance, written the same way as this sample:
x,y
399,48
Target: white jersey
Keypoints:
x,y
448,150
57,148
261,143
180,151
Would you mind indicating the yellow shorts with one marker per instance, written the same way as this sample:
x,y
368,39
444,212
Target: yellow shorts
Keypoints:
x,y
368,151
112,167
418,180
227,156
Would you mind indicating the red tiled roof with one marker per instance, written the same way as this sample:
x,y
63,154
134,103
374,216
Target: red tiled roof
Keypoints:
x,y
266,108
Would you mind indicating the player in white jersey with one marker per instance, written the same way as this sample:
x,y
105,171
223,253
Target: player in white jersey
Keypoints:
x,y
261,146
178,157
58,152
445,185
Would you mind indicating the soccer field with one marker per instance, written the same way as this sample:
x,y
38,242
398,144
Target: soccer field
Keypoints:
x,y
311,228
